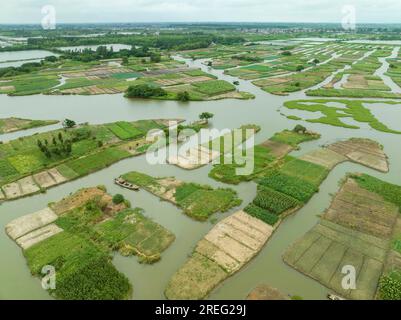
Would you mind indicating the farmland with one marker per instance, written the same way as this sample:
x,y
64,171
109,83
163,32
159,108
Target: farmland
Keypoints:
x,y
234,241
34,163
16,124
265,155
334,82
215,149
77,235
66,77
197,201
356,230
332,115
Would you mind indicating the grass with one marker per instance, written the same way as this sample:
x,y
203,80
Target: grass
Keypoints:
x,y
131,232
263,159
354,109
323,251
214,87
293,138
309,172
204,202
6,169
124,130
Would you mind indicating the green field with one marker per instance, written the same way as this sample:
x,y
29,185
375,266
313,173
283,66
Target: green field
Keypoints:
x,y
353,109
197,201
81,254
74,152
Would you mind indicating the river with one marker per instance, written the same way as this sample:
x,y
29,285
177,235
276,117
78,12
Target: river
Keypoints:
x,y
149,281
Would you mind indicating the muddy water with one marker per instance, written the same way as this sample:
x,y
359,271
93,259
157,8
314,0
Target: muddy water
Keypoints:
x,y
150,281
383,69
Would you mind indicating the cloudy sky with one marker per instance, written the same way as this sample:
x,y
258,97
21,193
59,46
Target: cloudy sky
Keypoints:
x,y
29,11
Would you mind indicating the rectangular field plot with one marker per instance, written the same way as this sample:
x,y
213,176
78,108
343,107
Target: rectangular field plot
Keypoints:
x,y
324,251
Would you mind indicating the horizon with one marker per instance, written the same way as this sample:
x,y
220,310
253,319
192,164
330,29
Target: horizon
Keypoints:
x,y
185,11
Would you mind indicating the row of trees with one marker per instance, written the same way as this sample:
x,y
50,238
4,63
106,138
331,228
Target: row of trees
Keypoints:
x,y
144,91
58,147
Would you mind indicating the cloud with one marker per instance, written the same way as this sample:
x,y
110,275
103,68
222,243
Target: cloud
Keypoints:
x,y
28,11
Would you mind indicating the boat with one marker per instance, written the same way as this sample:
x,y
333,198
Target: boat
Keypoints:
x,y
125,184
334,297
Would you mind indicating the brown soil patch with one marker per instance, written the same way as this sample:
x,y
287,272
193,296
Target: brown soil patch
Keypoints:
x,y
28,186
277,149
76,200
363,151
26,224
12,190
324,157
265,292
362,210
44,179
225,249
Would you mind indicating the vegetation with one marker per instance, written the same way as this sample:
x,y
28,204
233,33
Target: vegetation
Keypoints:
x,y
265,156
390,286
206,116
74,152
390,192
144,91
262,214
354,109
95,224
197,201
273,201
16,124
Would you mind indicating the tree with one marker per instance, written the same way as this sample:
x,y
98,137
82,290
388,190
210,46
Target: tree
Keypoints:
x,y
144,91
299,68
118,198
299,129
155,57
183,96
316,61
286,53
68,147
68,123
60,137
125,61
206,116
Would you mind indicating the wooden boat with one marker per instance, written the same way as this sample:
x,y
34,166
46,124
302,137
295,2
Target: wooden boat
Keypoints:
x,y
125,184
334,297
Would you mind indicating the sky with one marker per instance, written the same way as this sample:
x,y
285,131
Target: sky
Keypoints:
x,y
75,11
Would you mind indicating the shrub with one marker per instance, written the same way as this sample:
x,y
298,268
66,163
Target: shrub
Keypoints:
x,y
144,91
390,286
183,96
118,198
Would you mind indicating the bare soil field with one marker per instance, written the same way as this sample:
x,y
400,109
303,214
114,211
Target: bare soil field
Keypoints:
x,y
355,230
